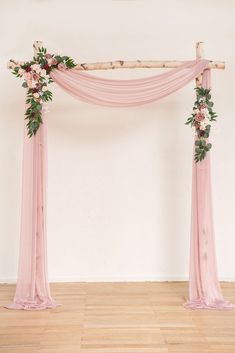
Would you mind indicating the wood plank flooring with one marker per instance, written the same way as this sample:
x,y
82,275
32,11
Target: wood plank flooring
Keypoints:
x,y
145,317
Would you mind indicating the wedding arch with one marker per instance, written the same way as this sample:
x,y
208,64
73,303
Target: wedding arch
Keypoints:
x,y
32,289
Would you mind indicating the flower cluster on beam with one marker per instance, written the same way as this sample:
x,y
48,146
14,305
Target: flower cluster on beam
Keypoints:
x,y
36,75
200,120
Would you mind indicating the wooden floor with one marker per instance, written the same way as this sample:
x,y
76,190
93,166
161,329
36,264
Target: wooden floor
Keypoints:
x,y
117,318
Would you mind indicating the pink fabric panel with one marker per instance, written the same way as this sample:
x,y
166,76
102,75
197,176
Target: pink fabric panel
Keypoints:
x,y
127,93
32,290
204,286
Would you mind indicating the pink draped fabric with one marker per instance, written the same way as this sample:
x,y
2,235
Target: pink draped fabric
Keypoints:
x,y
204,286
126,93
32,291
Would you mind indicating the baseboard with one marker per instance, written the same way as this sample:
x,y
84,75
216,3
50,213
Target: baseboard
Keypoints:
x,y
150,278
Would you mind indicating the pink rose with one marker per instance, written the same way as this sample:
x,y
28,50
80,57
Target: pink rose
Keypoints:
x,y
50,61
203,106
62,66
48,56
36,67
36,77
27,76
54,61
199,117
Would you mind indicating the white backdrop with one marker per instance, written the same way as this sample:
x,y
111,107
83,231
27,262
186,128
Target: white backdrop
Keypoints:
x,y
119,184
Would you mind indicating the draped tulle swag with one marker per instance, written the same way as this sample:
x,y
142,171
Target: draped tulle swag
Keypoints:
x,y
32,290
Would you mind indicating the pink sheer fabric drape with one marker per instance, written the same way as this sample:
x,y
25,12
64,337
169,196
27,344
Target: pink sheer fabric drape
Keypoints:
x,y
126,93
32,291
204,286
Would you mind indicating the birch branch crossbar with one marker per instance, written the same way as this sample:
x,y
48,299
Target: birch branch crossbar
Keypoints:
x,y
122,64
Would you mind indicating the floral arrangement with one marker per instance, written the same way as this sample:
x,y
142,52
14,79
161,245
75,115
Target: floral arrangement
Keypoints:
x,y
36,75
200,120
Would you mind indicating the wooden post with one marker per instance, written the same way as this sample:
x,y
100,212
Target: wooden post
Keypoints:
x,y
199,55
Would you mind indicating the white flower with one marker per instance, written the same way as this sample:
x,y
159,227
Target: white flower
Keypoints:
x,y
33,84
36,67
36,95
203,124
205,111
44,88
43,73
21,72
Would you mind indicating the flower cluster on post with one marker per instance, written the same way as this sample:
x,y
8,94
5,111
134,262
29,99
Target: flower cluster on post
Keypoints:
x,y
200,120
36,75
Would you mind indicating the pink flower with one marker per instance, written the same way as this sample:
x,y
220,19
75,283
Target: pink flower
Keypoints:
x,y
203,106
43,73
27,76
62,66
52,61
199,117
33,84
48,56
21,72
49,62
36,95
36,77
36,67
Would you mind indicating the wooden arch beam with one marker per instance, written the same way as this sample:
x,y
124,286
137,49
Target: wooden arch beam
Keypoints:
x,y
121,64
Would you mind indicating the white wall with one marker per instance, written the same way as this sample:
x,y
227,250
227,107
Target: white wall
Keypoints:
x,y
119,179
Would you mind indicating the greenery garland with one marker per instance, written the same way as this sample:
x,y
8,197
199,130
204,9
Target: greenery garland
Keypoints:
x,y
36,74
200,120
